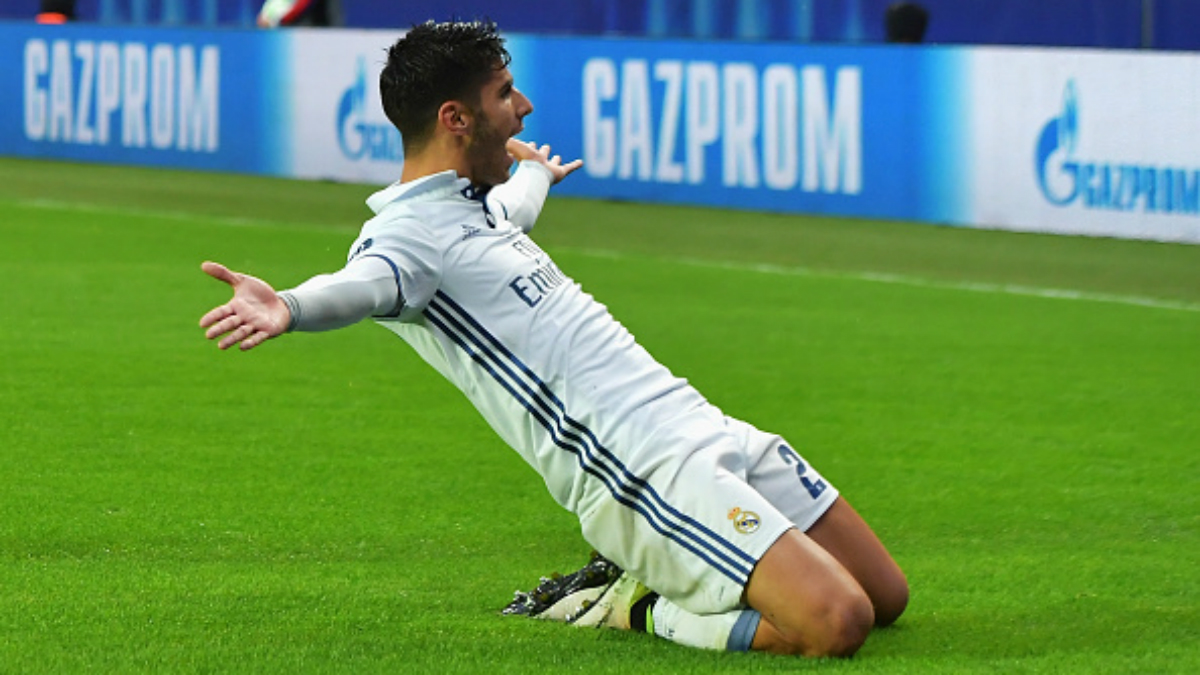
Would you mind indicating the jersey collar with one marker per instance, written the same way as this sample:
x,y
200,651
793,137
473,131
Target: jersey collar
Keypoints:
x,y
432,186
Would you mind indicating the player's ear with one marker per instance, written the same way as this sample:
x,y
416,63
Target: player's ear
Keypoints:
x,y
455,117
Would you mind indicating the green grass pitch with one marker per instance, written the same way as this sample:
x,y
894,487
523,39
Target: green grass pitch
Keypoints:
x,y
1015,414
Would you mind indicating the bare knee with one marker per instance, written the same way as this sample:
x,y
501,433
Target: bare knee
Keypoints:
x,y
839,629
844,628
891,602
844,533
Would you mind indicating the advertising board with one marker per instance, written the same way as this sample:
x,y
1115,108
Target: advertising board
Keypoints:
x,y
193,99
1086,142
1042,140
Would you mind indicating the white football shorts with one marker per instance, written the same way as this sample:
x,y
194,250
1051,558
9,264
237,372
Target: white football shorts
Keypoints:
x,y
695,524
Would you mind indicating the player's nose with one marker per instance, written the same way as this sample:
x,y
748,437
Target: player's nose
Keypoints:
x,y
524,105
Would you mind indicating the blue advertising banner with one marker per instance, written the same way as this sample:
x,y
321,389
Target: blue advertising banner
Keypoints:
x,y
763,126
180,98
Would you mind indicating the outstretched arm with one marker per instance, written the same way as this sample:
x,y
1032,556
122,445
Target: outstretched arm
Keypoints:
x,y
366,286
254,314
523,195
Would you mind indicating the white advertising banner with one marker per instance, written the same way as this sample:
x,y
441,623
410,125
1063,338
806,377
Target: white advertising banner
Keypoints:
x,y
338,128
1086,142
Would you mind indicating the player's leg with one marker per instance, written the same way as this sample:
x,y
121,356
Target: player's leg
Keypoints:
x,y
854,547
848,538
802,601
825,612
820,591
804,496
810,604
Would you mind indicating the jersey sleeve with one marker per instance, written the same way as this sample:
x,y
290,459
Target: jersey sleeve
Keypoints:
x,y
412,254
522,196
362,288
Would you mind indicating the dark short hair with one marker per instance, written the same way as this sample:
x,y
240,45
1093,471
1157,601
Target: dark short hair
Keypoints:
x,y
434,63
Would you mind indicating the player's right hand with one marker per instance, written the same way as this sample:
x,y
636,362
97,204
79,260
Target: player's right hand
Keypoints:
x,y
254,314
528,150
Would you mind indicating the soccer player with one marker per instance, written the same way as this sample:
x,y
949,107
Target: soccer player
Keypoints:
x,y
713,533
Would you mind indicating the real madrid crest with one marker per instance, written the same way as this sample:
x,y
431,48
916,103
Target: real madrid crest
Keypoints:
x,y
746,522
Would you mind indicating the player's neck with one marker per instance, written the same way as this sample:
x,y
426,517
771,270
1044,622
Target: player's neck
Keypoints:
x,y
432,159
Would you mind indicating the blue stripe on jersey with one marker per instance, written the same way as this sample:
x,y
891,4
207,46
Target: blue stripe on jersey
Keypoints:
x,y
569,434
622,492
639,484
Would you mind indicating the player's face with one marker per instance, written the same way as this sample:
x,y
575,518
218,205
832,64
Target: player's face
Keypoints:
x,y
502,108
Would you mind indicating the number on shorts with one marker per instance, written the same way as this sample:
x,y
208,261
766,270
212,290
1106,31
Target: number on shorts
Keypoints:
x,y
790,457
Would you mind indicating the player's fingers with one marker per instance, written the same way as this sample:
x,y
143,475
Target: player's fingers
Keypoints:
x,y
519,148
565,170
223,326
255,340
219,271
238,335
244,332
214,315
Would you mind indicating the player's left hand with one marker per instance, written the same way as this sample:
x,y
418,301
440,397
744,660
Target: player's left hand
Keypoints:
x,y
527,150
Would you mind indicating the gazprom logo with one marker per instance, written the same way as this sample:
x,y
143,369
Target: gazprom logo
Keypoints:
x,y
359,137
1065,178
163,97
780,126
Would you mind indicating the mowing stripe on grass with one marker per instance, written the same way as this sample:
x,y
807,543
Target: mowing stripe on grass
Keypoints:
x,y
162,214
877,277
902,279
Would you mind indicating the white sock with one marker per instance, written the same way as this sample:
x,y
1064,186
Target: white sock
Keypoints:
x,y
732,631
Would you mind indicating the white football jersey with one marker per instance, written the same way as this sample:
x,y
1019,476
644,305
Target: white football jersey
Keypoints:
x,y
550,369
